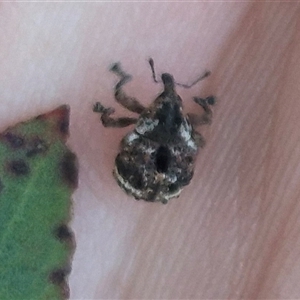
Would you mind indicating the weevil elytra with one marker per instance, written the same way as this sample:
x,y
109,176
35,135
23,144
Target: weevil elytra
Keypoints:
x,y
157,158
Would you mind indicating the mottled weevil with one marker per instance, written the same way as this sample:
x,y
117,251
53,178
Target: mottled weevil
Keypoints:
x,y
156,159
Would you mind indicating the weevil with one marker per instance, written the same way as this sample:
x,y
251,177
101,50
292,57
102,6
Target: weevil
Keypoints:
x,y
157,158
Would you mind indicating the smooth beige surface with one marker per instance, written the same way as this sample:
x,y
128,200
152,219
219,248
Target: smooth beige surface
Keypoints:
x,y
235,231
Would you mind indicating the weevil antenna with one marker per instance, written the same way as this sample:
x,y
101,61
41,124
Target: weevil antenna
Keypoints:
x,y
187,86
151,63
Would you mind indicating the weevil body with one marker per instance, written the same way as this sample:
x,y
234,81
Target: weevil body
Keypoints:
x,y
156,159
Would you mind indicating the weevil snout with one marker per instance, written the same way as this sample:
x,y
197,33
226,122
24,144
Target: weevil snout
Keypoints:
x,y
168,81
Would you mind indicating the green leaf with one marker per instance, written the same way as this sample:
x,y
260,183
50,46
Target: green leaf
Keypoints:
x,y
38,174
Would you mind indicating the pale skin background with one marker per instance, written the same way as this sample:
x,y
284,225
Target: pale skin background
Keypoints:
x,y
235,231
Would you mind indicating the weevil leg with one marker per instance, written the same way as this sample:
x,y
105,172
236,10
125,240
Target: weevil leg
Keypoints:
x,y
130,103
206,117
108,121
200,141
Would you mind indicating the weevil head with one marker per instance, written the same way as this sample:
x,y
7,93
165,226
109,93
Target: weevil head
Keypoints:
x,y
168,81
162,120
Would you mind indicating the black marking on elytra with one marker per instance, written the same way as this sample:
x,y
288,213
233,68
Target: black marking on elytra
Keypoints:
x,y
58,277
69,169
64,234
18,167
36,146
15,141
162,159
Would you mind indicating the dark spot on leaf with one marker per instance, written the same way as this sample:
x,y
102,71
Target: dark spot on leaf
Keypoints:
x,y
64,234
36,146
64,124
59,118
14,140
18,167
63,114
69,169
58,277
